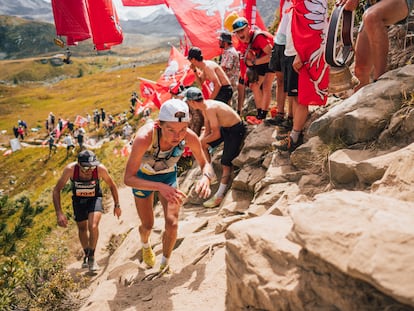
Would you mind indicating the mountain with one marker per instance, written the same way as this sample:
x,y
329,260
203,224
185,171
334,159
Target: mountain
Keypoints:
x,y
161,22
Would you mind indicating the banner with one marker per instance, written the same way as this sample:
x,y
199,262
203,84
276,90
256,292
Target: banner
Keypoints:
x,y
142,2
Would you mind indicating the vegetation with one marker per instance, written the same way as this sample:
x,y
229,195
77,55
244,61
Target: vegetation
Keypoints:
x,y
33,252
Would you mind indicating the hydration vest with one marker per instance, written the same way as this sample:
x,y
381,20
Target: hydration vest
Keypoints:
x,y
86,188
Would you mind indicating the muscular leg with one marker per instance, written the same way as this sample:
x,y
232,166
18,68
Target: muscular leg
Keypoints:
x,y
257,92
363,60
171,226
83,233
375,19
93,228
280,93
146,215
226,174
267,90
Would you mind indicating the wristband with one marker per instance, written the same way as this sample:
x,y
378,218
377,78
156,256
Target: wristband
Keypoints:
x,y
117,205
208,176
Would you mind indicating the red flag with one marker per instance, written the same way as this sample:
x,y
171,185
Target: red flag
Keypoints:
x,y
152,92
252,15
71,20
80,121
203,20
106,29
309,23
142,2
178,71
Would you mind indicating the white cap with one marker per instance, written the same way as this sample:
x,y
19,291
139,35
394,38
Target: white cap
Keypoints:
x,y
174,110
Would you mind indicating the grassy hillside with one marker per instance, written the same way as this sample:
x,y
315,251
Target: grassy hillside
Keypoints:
x,y
33,252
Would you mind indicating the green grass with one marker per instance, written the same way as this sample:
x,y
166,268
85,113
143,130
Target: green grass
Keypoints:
x,y
34,253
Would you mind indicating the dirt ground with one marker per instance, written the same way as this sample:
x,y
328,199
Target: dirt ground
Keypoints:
x,y
198,281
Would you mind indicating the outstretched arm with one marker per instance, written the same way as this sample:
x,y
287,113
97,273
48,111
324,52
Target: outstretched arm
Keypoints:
x,y
203,185
104,174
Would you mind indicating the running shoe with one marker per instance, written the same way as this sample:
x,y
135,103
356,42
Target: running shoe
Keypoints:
x,y
287,143
213,202
92,264
85,263
148,256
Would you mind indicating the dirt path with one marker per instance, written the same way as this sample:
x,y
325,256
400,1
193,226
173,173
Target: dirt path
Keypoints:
x,y
198,281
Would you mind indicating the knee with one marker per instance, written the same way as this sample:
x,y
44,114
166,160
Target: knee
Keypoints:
x,y
171,223
372,21
146,226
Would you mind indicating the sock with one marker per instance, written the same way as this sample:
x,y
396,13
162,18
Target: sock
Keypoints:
x,y
145,245
91,253
264,114
221,190
86,251
164,260
259,113
295,135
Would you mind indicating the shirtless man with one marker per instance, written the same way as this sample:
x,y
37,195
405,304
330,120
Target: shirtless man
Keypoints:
x,y
212,72
221,124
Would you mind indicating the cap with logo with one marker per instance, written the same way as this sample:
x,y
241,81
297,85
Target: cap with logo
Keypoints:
x,y
193,93
174,110
87,158
240,23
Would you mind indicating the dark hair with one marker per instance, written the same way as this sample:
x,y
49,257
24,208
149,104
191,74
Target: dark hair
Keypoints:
x,y
195,53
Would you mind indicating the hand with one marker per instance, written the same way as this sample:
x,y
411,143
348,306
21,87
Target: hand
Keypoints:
x,y
172,195
297,63
202,187
62,221
117,211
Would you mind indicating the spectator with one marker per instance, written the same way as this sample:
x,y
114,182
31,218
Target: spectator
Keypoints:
x,y
80,137
257,56
212,72
52,145
230,62
151,167
70,145
372,44
276,64
16,131
51,121
85,175
23,124
221,124
304,47
127,130
103,115
60,124
20,131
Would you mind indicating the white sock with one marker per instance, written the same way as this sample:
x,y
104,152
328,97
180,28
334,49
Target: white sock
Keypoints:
x,y
145,245
295,135
220,192
164,260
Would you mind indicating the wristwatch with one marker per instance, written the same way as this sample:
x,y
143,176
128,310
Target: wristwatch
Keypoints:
x,y
117,205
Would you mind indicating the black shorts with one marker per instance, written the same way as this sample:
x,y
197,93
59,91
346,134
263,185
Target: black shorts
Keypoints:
x,y
83,206
290,78
233,138
278,58
225,94
262,69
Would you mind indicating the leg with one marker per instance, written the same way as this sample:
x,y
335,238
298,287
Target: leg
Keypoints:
x,y
146,215
171,227
241,89
93,227
83,233
267,90
280,92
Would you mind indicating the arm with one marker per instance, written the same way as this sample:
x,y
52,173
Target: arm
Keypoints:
x,y
211,76
203,185
103,173
140,145
67,173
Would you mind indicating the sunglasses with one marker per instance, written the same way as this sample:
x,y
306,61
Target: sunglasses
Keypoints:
x,y
87,168
239,24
